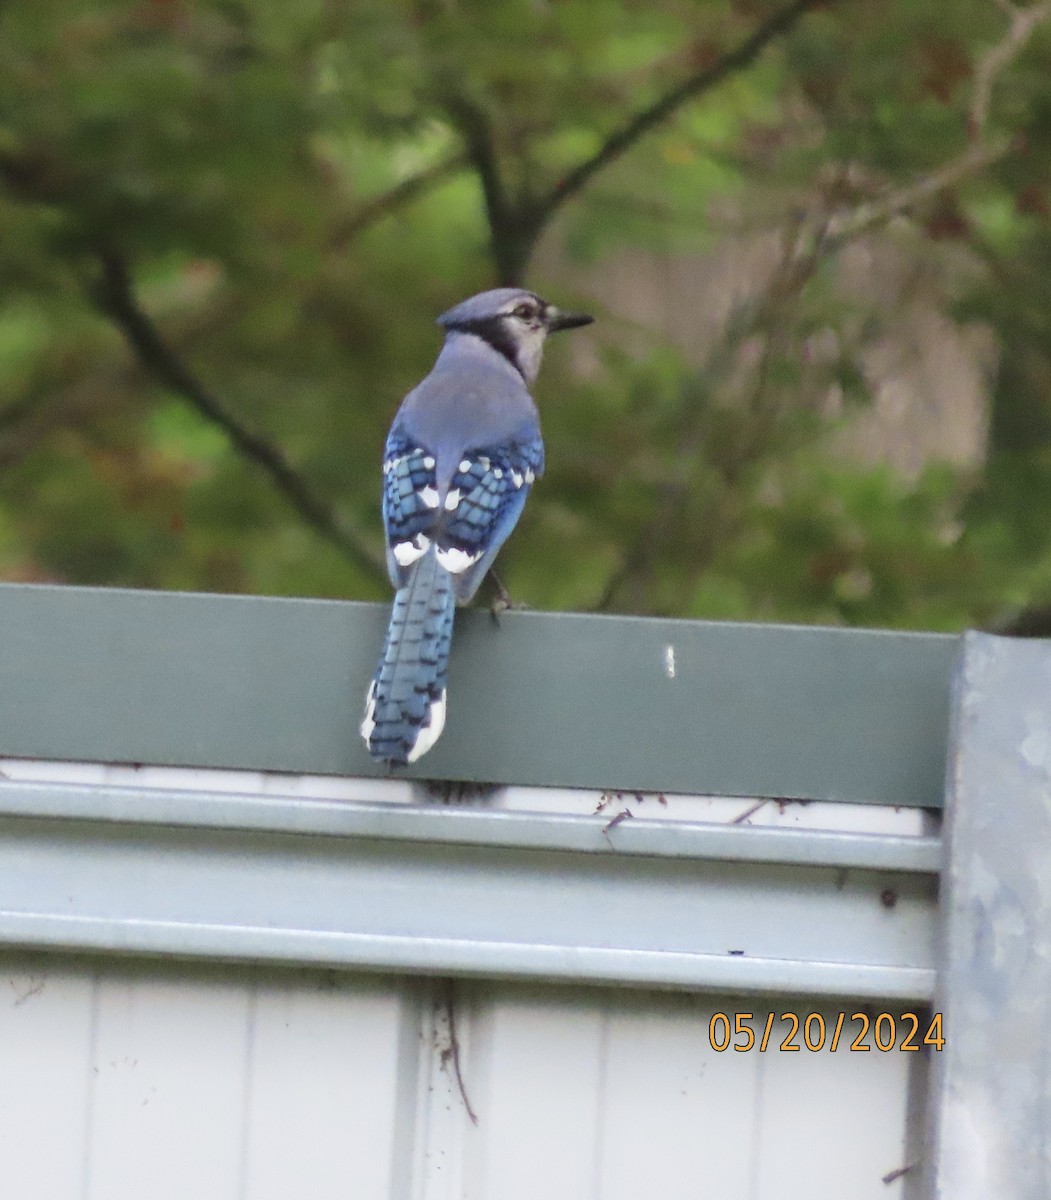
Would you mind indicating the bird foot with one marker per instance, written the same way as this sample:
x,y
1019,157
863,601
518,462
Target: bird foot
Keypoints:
x,y
501,601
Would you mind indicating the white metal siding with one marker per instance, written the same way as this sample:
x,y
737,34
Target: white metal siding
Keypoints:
x,y
166,1081
159,1080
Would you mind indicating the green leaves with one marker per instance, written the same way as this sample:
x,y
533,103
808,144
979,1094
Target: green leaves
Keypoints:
x,y
298,190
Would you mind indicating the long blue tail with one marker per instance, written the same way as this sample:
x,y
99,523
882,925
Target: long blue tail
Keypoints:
x,y
405,705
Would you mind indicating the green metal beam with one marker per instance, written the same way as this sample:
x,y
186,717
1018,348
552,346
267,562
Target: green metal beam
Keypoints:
x,y
617,703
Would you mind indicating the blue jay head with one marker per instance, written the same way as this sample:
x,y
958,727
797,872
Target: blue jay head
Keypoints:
x,y
514,322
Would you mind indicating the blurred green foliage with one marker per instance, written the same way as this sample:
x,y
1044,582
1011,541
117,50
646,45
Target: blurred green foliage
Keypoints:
x,y
284,196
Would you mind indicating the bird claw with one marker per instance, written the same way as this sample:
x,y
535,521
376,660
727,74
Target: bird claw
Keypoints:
x,y
501,601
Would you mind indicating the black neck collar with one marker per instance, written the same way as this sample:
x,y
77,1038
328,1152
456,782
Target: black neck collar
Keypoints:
x,y
493,331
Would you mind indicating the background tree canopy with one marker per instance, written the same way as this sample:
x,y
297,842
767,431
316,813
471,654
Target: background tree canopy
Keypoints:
x,y
228,226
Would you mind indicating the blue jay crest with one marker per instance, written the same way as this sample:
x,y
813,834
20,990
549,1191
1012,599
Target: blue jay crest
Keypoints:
x,y
461,456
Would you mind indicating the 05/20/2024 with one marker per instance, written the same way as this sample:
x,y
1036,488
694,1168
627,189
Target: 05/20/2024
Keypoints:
x,y
906,1031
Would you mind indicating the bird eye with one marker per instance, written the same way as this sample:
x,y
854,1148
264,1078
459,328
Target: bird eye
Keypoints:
x,y
525,311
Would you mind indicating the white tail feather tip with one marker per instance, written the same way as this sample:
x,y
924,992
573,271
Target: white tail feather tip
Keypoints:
x,y
428,734
368,723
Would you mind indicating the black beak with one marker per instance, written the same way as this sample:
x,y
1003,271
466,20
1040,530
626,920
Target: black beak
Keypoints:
x,y
563,320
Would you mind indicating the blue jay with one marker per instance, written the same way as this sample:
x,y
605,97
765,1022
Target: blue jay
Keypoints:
x,y
461,456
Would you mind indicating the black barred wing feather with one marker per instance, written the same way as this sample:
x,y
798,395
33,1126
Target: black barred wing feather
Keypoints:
x,y
410,504
468,521
484,502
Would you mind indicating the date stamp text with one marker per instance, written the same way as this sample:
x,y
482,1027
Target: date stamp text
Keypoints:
x,y
788,1031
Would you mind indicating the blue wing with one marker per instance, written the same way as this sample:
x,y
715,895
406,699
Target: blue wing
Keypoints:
x,y
485,500
410,503
468,521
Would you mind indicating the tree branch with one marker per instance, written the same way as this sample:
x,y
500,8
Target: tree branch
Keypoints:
x,y
378,207
1024,22
513,228
115,296
845,226
477,132
828,231
983,151
661,109
514,225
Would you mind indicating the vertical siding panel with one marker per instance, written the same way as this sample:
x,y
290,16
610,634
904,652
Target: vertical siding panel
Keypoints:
x,y
197,1084
678,1115
45,1038
534,1075
832,1124
168,1104
322,1104
438,1126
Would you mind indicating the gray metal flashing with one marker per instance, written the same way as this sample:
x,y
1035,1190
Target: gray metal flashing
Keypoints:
x,y
598,965
541,699
471,826
990,1100
500,895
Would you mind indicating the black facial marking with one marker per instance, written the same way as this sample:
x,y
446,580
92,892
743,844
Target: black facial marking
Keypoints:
x,y
493,330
